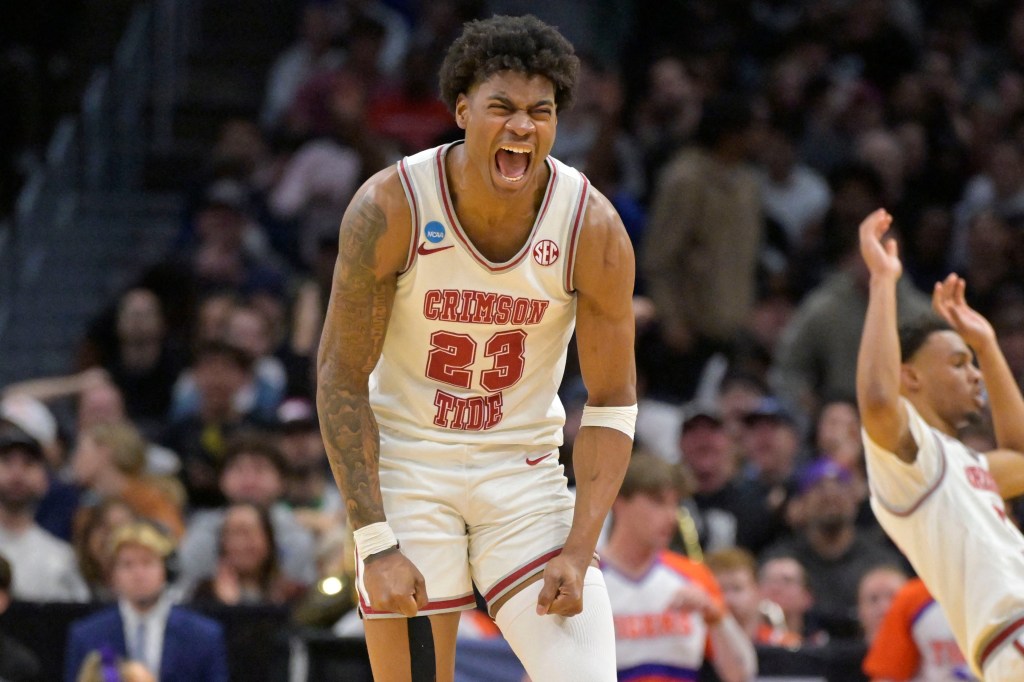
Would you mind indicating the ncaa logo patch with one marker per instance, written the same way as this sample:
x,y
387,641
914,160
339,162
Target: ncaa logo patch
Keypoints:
x,y
545,252
433,231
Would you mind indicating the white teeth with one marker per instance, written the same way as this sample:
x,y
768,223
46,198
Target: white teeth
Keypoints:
x,y
515,150
512,179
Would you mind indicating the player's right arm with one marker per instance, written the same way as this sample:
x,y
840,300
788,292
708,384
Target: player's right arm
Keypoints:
x,y
878,361
373,246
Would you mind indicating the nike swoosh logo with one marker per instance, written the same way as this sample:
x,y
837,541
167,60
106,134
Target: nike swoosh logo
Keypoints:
x,y
533,462
424,251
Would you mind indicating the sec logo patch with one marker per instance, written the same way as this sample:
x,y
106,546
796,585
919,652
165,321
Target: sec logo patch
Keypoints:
x,y
545,252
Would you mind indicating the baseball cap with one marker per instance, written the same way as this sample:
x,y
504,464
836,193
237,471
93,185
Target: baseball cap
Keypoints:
x,y
12,437
770,409
701,409
31,416
824,469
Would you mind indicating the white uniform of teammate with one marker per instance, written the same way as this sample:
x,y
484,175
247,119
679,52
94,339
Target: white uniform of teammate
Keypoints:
x,y
465,393
653,643
914,642
946,504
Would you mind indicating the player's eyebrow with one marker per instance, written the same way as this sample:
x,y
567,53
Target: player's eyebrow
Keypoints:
x,y
504,99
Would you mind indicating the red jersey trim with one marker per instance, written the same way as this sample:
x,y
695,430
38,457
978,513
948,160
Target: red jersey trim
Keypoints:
x,y
997,640
927,493
410,195
581,206
453,604
446,201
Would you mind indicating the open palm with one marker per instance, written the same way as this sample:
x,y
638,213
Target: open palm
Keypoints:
x,y
950,302
880,255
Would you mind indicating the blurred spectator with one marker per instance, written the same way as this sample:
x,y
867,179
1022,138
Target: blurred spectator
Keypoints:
x,y
783,581
668,116
34,418
817,354
700,251
94,525
668,610
770,448
105,666
229,248
136,350
314,52
247,329
220,371
793,195
170,641
110,462
411,113
309,485
834,552
44,566
17,662
729,509
247,568
735,569
915,642
252,473
876,590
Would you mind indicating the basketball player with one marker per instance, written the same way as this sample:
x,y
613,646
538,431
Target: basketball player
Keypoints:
x,y
941,502
914,642
462,272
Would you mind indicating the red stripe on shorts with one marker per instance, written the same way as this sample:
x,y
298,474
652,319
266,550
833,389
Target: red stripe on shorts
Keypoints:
x,y
519,573
431,605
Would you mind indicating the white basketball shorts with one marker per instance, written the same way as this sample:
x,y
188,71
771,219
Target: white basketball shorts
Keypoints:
x,y
489,515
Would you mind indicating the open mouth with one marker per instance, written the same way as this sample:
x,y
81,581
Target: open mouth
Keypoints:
x,y
512,162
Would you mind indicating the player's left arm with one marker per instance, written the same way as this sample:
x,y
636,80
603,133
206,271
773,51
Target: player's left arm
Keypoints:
x,y
603,279
1005,400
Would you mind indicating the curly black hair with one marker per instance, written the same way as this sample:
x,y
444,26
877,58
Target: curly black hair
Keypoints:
x,y
524,44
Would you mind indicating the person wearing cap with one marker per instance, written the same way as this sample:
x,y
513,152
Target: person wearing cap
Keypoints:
x,y
829,545
44,566
729,511
173,643
309,486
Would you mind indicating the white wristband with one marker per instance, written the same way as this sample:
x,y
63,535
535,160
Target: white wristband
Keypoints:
x,y
619,418
376,537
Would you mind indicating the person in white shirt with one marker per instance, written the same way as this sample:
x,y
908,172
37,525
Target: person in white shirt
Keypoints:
x,y
939,500
44,566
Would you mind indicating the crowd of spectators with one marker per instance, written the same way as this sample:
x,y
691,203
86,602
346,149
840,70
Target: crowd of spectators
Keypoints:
x,y
741,142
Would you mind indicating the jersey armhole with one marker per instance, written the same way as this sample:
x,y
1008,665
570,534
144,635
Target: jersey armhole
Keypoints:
x,y
414,213
576,223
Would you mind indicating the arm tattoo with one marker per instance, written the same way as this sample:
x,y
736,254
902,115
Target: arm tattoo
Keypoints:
x,y
357,319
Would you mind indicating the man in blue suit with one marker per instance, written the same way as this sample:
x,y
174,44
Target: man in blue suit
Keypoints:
x,y
173,643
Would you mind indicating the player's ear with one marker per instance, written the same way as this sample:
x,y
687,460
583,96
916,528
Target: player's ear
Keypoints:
x,y
910,377
461,111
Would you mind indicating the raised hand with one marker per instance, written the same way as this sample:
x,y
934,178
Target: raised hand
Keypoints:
x,y
949,301
393,583
880,255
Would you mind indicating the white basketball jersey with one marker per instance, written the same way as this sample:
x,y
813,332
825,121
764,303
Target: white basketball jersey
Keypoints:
x,y
653,642
945,513
475,351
